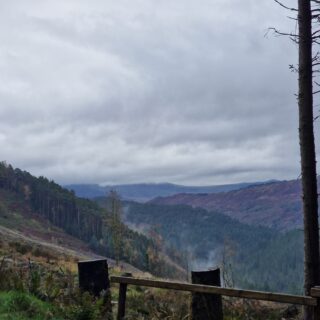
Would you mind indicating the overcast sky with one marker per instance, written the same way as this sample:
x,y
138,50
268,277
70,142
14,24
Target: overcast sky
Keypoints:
x,y
183,91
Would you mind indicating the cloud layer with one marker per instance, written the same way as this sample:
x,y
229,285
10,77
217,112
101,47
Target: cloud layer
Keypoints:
x,y
128,91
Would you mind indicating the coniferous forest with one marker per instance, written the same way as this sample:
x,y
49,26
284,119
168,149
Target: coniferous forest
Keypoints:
x,y
84,219
255,257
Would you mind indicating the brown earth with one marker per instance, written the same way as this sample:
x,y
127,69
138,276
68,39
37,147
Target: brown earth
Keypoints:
x,y
276,204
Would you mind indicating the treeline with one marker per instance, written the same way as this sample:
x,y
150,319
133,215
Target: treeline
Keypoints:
x,y
78,217
84,219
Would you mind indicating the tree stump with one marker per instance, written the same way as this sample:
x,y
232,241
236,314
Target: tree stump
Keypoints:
x,y
93,276
206,306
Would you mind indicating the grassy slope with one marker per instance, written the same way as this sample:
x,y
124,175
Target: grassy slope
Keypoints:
x,y
23,306
25,235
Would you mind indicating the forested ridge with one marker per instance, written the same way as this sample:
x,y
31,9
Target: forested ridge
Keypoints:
x,y
83,219
275,204
78,217
254,257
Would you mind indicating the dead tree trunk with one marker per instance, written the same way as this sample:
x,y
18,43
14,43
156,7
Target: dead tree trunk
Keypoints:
x,y
307,152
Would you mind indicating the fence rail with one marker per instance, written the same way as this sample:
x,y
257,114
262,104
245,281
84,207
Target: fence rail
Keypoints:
x,y
247,294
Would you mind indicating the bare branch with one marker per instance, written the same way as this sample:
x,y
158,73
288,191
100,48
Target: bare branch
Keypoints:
x,y
277,32
283,6
293,68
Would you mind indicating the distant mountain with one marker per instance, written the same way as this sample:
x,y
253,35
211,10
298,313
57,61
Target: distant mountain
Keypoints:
x,y
143,192
276,204
88,191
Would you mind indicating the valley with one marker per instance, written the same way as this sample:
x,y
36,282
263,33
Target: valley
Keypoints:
x,y
259,244
252,257
167,237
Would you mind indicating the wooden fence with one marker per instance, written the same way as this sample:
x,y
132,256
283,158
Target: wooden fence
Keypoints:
x,y
93,277
247,294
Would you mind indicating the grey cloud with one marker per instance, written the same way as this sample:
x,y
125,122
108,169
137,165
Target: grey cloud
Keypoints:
x,y
130,91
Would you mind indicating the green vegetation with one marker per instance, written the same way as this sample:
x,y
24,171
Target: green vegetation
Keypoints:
x,y
278,266
15,305
153,304
30,291
52,294
256,257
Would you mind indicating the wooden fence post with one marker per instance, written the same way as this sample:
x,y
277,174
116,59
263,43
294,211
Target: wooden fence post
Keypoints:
x,y
315,292
206,306
93,276
122,298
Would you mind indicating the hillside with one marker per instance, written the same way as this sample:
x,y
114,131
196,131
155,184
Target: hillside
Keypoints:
x,y
276,204
41,208
23,233
252,256
161,239
146,191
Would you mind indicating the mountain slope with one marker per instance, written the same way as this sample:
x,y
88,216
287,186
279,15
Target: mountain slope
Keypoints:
x,y
29,201
146,191
254,257
24,230
276,205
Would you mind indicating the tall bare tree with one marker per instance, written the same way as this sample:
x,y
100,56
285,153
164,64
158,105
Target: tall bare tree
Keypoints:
x,y
308,17
307,152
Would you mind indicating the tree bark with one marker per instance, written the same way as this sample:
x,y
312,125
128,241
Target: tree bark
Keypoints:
x,y
307,152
